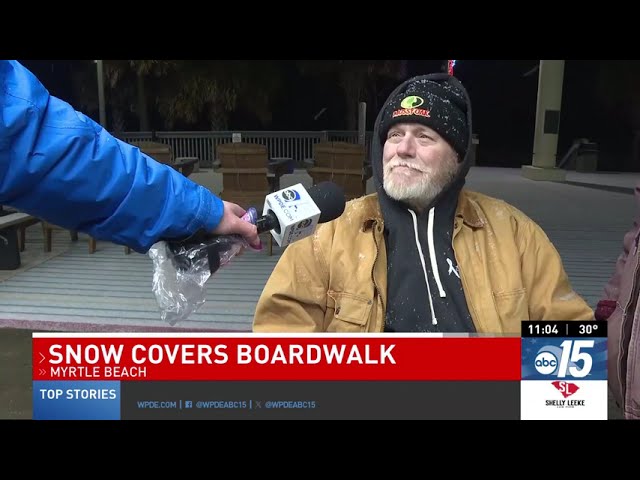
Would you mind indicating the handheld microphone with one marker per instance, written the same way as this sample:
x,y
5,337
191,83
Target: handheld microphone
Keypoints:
x,y
294,212
289,214
182,267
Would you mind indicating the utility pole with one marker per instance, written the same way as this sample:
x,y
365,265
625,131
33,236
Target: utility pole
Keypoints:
x,y
103,114
362,123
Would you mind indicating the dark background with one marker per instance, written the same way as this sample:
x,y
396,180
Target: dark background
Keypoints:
x,y
600,102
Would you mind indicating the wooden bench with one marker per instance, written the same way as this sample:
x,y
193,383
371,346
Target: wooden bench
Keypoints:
x,y
47,231
21,221
342,163
245,176
17,219
24,220
163,153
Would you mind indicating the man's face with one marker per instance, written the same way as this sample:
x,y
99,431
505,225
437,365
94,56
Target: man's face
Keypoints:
x,y
418,163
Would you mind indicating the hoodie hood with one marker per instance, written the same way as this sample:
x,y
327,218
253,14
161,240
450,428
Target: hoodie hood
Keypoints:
x,y
377,143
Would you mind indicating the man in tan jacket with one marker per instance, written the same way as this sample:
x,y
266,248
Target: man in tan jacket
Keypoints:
x,y
423,254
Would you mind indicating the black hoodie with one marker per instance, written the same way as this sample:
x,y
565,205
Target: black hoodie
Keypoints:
x,y
424,290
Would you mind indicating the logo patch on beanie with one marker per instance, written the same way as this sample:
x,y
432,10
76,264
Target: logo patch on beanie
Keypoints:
x,y
409,106
412,102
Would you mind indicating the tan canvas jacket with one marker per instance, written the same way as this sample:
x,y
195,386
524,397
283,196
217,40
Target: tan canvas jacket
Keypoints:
x,y
335,280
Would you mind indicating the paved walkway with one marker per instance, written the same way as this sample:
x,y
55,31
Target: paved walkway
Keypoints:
x,y
108,290
70,289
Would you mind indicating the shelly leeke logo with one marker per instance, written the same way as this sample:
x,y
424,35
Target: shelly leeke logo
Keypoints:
x,y
565,388
412,102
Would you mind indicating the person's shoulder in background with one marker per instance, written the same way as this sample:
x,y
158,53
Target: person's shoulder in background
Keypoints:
x,y
607,304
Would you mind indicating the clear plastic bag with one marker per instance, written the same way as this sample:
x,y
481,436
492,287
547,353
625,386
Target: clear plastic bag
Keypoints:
x,y
181,270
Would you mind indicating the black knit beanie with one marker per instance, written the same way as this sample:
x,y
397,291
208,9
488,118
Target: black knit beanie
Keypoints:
x,y
439,106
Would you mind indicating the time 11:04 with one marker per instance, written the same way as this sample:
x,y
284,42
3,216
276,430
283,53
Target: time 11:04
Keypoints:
x,y
543,329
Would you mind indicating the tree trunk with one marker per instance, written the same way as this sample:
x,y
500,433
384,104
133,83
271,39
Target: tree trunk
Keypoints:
x,y
352,87
217,118
143,113
373,102
352,113
117,120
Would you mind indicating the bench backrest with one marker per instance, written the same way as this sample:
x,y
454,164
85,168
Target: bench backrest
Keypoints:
x,y
160,152
244,168
342,163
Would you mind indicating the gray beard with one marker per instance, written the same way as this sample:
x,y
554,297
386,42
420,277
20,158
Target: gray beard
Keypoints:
x,y
420,194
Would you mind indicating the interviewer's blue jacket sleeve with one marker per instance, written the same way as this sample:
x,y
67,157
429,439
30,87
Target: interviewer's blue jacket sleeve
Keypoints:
x,y
61,166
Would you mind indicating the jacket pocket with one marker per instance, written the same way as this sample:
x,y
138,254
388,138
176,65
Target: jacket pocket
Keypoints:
x,y
512,308
351,313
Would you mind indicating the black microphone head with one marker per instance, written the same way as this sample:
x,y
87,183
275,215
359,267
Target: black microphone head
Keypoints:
x,y
329,198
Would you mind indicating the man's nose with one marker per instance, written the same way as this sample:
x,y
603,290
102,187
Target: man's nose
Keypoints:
x,y
406,147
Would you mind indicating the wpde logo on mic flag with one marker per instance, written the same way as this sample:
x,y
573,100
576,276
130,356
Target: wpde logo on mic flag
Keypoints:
x,y
564,378
290,195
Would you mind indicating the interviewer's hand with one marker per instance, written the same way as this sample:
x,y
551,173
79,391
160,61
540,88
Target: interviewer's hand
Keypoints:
x,y
232,223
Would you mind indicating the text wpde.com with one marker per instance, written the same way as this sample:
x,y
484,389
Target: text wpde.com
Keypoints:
x,y
571,359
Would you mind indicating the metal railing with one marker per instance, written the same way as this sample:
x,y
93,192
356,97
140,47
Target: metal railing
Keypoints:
x,y
296,145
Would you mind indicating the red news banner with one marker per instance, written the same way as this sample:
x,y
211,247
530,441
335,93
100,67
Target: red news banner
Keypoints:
x,y
274,357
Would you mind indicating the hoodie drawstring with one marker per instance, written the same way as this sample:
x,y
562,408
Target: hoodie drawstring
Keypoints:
x,y
424,267
432,254
432,258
